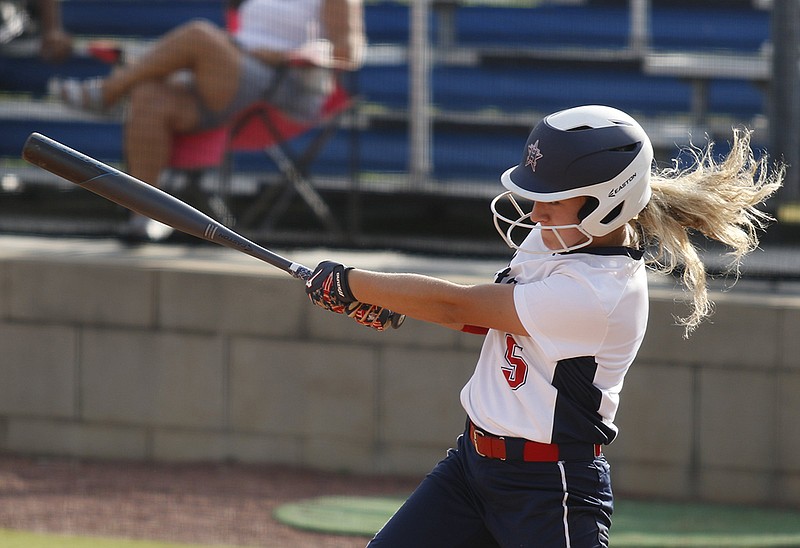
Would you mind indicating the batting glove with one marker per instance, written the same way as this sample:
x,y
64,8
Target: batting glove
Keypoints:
x,y
328,288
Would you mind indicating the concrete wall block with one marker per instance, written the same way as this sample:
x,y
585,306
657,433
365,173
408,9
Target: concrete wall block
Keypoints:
x,y
261,448
86,293
171,445
789,490
788,422
152,378
409,460
38,370
736,419
5,291
338,454
244,304
664,338
75,439
650,479
789,341
301,388
739,334
655,415
735,486
726,338
419,396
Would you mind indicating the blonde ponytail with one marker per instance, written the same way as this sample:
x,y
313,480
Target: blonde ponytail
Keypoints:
x,y
717,199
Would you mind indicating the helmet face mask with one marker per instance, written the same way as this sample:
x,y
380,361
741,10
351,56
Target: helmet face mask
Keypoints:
x,y
594,151
524,223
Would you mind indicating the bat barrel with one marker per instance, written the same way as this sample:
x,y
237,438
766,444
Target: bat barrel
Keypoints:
x,y
61,160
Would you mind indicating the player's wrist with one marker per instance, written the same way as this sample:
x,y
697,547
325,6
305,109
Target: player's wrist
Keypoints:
x,y
341,284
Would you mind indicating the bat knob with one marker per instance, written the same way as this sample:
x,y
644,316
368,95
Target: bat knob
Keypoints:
x,y
396,320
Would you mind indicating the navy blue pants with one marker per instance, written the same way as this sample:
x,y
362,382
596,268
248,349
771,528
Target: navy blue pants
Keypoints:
x,y
471,501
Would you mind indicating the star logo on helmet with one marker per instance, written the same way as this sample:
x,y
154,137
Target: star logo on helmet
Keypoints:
x,y
534,154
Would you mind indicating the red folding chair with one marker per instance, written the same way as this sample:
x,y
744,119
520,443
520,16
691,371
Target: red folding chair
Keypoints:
x,y
263,127
193,156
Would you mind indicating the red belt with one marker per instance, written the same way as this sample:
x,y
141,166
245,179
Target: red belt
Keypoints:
x,y
499,447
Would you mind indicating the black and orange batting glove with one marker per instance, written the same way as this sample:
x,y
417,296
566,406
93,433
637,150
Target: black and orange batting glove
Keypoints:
x,y
328,288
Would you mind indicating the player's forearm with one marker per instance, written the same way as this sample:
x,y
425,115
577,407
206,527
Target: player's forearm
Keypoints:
x,y
422,297
438,301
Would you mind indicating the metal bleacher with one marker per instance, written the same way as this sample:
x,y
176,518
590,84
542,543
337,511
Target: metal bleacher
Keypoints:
x,y
495,71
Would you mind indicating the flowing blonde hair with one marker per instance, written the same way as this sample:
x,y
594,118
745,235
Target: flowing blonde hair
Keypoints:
x,y
717,199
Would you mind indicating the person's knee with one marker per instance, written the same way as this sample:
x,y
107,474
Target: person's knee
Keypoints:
x,y
147,100
200,31
154,104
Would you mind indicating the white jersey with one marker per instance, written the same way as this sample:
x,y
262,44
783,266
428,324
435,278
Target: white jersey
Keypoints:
x,y
279,25
586,314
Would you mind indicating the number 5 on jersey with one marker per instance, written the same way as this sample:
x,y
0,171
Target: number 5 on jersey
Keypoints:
x,y
515,370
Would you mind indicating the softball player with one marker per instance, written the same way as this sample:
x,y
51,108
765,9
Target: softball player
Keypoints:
x,y
562,324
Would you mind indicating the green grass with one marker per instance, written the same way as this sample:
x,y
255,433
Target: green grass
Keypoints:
x,y
23,539
705,525
636,523
341,515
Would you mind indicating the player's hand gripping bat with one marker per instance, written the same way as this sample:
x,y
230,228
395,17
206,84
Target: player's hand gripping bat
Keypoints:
x,y
138,196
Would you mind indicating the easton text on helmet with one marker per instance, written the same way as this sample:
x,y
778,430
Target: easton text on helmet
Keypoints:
x,y
617,190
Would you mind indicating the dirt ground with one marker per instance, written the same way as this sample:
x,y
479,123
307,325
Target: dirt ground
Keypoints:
x,y
193,503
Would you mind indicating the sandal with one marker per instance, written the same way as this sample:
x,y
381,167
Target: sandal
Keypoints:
x,y
85,95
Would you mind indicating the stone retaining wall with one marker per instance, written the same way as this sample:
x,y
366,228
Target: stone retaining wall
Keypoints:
x,y
144,356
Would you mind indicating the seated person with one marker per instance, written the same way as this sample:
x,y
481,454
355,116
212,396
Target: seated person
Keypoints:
x,y
199,76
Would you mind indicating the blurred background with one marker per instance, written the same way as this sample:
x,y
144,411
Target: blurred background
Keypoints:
x,y
443,104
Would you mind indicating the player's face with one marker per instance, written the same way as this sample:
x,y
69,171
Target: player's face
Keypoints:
x,y
559,213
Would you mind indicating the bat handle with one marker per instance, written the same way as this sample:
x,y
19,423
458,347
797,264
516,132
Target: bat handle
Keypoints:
x,y
300,272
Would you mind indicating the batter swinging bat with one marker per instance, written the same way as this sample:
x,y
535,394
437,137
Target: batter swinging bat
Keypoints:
x,y
138,196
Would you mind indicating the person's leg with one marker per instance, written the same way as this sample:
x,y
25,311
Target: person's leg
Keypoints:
x,y
441,513
199,46
548,504
157,111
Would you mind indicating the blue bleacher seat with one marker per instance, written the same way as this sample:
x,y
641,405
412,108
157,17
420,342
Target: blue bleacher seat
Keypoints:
x,y
549,89
697,27
386,22
101,140
142,18
543,26
30,75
